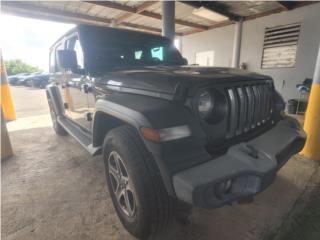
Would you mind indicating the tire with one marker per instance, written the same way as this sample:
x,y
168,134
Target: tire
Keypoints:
x,y
151,209
56,125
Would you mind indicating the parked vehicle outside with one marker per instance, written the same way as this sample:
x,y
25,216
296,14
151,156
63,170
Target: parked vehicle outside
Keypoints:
x,y
14,79
24,79
170,134
39,80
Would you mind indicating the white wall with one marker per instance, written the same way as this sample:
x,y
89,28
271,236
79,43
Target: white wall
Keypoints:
x,y
221,41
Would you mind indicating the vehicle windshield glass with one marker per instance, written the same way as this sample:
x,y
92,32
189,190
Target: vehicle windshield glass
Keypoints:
x,y
123,51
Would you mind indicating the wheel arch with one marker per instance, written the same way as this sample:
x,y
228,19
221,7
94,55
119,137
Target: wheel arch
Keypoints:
x,y
102,124
109,115
53,93
117,115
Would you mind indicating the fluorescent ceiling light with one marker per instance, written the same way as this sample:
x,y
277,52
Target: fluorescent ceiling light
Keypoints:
x,y
208,14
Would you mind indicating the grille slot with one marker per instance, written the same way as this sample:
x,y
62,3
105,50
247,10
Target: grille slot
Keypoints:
x,y
250,106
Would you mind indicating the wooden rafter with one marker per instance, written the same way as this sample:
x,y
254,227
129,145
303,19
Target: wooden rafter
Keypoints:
x,y
39,12
217,25
139,9
137,26
145,13
214,6
263,14
28,9
254,16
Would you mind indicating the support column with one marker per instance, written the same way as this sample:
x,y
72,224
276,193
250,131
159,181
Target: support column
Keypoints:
x,y
7,112
237,44
168,15
312,119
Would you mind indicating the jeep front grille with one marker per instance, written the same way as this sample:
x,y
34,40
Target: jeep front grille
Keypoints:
x,y
250,106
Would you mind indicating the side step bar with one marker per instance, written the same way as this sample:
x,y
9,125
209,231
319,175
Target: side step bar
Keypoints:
x,y
84,138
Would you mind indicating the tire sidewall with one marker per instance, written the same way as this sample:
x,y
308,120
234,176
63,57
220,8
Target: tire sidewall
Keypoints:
x,y
53,114
56,126
139,224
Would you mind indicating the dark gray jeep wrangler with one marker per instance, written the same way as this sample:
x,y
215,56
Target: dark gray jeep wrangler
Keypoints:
x,y
168,133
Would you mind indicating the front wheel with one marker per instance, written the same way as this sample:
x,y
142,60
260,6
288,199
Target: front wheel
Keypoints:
x,y
136,188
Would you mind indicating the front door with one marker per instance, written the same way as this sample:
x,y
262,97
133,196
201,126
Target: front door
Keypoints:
x,y
76,87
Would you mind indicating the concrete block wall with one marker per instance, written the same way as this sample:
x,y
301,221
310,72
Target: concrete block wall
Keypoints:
x,y
220,40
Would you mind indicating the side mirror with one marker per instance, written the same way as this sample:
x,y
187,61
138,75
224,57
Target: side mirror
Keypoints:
x,y
67,59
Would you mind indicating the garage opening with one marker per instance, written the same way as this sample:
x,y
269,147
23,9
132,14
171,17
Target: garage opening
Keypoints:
x,y
128,118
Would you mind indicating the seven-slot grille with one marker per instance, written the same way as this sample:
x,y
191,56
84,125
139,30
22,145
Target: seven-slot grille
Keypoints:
x,y
249,107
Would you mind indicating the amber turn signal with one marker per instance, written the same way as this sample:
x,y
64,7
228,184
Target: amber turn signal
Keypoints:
x,y
150,134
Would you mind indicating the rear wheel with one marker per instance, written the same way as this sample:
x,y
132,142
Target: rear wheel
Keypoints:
x,y
136,188
56,125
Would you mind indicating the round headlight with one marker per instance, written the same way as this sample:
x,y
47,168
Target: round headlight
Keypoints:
x,y
205,104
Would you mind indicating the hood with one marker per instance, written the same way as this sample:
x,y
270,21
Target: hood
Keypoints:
x,y
166,79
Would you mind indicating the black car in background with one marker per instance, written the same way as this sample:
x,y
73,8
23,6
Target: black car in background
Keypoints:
x,y
23,80
14,79
38,80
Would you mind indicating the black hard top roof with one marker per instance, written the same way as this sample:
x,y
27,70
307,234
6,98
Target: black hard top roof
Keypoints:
x,y
106,30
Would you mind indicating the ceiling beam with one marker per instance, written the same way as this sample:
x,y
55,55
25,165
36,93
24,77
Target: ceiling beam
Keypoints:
x,y
214,6
113,5
39,12
139,9
263,14
254,16
217,25
19,7
133,10
137,26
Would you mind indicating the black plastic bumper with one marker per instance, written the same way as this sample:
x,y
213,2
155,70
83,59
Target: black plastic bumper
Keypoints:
x,y
245,170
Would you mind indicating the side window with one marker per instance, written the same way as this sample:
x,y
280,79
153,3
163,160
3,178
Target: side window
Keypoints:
x,y
74,44
58,47
79,53
157,52
52,61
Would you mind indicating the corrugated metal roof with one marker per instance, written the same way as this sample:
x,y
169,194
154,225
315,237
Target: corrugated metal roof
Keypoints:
x,y
107,12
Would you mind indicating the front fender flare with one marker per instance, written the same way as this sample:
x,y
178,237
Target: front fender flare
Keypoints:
x,y
137,120
53,93
121,112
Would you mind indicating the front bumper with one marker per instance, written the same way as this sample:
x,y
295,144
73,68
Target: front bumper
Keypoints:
x,y
245,170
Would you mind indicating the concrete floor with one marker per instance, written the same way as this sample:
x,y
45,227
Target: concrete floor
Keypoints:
x,y
53,189
29,101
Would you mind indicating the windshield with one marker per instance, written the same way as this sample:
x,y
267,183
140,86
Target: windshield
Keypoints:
x,y
110,49
144,54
